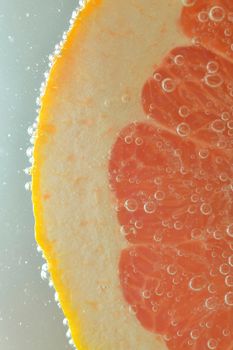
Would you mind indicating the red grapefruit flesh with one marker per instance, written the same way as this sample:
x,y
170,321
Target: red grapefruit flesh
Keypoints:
x,y
172,178
210,23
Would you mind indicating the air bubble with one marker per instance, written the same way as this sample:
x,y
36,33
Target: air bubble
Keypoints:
x,y
146,294
157,180
51,284
204,153
71,343
28,186
212,344
217,14
29,152
167,337
228,32
217,235
194,198
44,272
230,230
184,111
178,225
196,233
226,332
230,124
171,270
221,144
229,281
150,207
211,288
224,269
218,125
157,237
194,334
68,334
211,303
138,224
159,195
212,67
179,60
168,85
157,76
155,307
192,209
223,177
128,139
225,116
230,260
65,322
208,187
183,129
197,283
28,171
119,178
188,3
127,230
229,298
138,141
39,250
131,205
203,16
213,80
205,209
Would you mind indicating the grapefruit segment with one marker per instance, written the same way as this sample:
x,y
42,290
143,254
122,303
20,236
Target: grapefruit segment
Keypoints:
x,y
131,212
210,23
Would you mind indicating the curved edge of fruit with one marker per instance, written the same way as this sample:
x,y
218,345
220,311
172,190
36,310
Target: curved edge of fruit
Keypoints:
x,y
42,135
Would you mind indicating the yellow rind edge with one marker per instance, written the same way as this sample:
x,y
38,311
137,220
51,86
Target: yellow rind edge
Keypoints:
x,y
42,137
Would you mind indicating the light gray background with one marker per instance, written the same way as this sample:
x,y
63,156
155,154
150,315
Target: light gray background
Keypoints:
x,y
29,30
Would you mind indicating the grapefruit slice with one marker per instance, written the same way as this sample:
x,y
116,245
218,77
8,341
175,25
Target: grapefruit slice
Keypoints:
x,y
132,176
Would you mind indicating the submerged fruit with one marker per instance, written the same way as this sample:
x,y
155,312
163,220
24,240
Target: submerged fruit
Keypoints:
x,y
145,262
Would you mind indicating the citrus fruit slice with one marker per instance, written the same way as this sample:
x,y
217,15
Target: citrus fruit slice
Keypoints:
x,y
132,177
